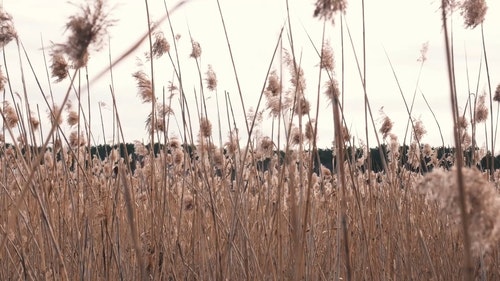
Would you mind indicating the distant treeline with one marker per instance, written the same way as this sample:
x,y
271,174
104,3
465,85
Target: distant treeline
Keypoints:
x,y
324,156
327,159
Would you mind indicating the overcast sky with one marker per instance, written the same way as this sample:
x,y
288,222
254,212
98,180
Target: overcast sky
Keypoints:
x,y
399,27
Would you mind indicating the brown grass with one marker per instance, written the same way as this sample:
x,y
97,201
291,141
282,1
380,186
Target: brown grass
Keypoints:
x,y
195,210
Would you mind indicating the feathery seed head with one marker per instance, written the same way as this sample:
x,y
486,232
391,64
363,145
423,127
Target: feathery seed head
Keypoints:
x,y
255,117
481,111
178,157
497,94
163,110
414,155
72,118
462,123
298,80
59,66
327,58
53,113
274,104
7,30
218,158
3,79
145,86
10,115
310,133
266,146
466,140
296,136
386,127
232,145
205,128
211,78
302,106
86,28
196,49
332,89
35,123
423,52
346,136
174,143
296,72
427,150
140,149
160,45
273,84
474,12
326,9
482,204
76,139
419,130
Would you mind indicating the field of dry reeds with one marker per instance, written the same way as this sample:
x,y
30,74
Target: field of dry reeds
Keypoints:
x,y
205,206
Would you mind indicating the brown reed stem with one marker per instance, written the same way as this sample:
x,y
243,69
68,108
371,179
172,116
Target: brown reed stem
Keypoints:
x,y
459,155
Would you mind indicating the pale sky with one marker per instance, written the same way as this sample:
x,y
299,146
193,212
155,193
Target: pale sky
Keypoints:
x,y
399,26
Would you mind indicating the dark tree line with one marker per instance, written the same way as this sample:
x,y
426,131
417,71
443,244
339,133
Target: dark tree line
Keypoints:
x,y
324,157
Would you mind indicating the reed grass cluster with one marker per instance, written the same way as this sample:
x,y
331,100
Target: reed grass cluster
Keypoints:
x,y
196,205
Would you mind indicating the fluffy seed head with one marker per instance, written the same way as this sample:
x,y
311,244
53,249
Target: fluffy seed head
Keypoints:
x,y
474,12
178,157
205,128
7,30
346,136
310,134
497,94
481,112
326,9
419,130
195,50
59,66
140,149
217,158
423,52
72,118
462,123
274,105
327,59
482,204
160,45
332,89
466,140
296,136
302,106
53,113
3,79
211,78
144,85
35,123
296,72
273,84
9,112
174,143
76,139
163,110
86,28
386,127
232,145
266,146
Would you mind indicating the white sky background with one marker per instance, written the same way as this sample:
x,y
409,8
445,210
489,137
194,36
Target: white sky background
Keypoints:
x,y
401,27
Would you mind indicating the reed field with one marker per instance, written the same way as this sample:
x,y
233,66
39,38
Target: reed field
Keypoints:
x,y
242,206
